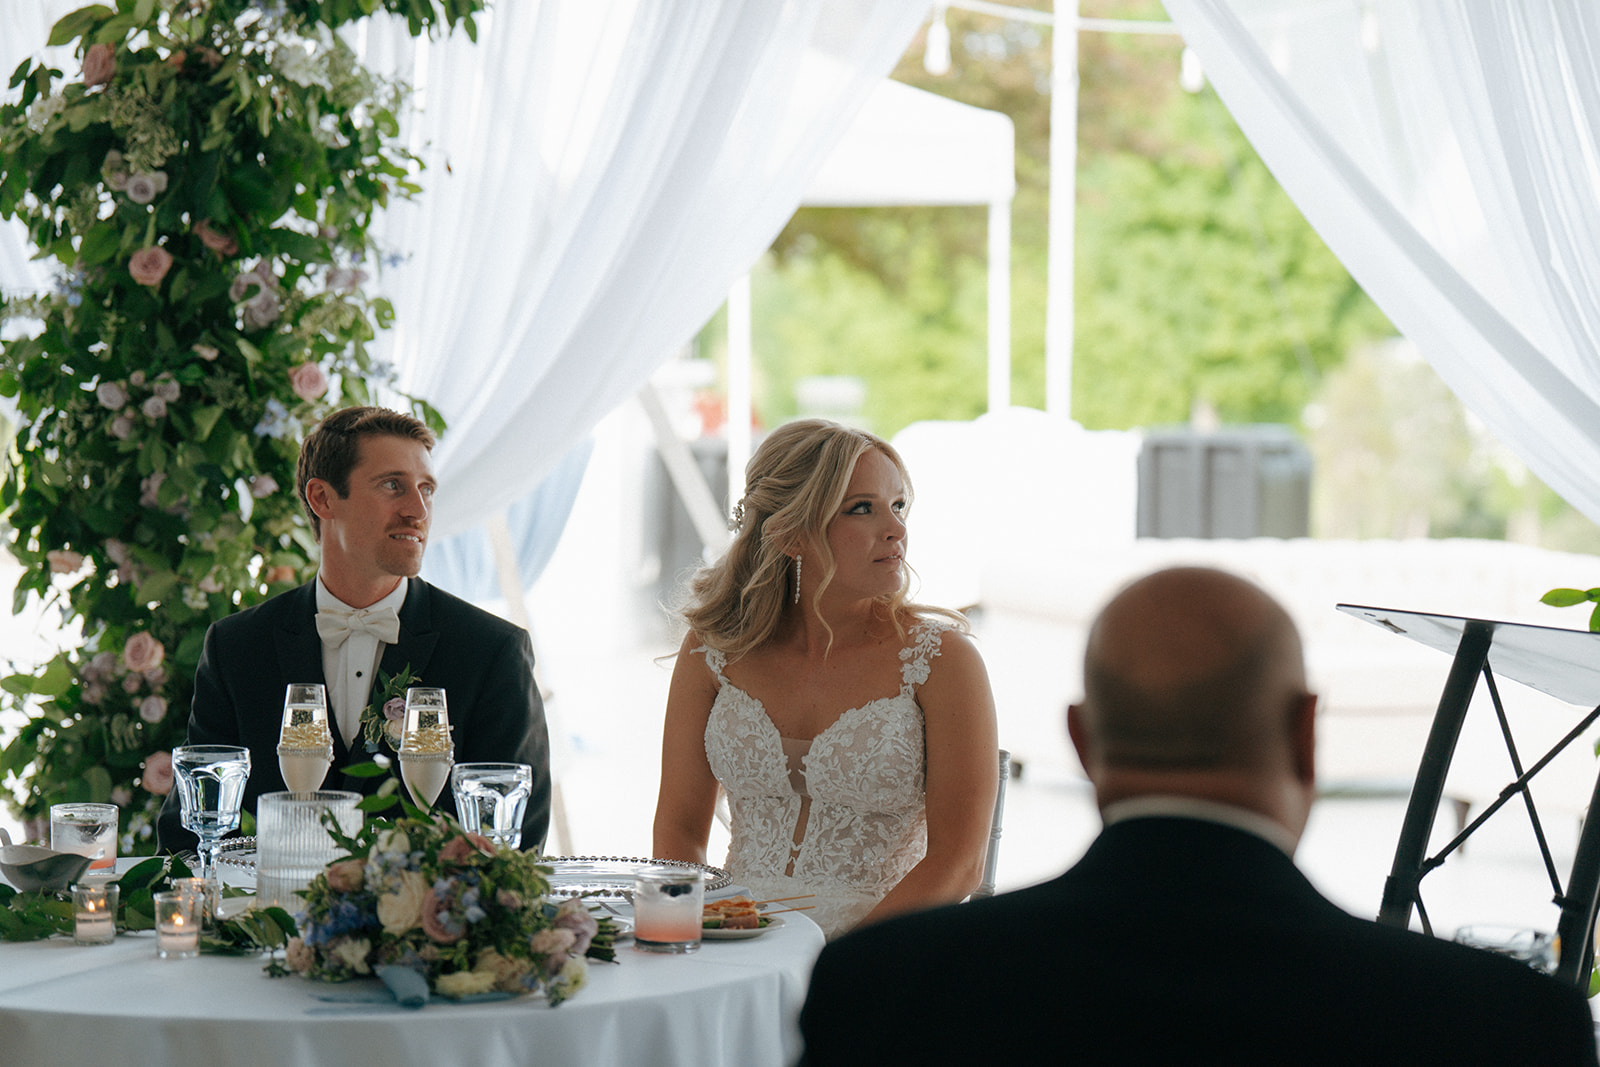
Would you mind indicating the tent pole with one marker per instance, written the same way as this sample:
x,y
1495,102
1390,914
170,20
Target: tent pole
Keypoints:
x,y
740,348
999,304
1063,203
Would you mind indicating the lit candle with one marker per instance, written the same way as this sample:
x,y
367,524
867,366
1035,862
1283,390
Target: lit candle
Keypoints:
x,y
177,926
94,912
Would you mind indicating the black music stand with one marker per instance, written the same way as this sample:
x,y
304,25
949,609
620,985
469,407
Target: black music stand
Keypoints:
x,y
1563,663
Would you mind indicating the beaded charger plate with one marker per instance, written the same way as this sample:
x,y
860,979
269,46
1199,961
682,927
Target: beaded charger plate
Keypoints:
x,y
238,852
611,877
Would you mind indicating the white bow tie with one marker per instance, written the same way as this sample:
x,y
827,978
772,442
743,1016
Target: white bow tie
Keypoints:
x,y
335,625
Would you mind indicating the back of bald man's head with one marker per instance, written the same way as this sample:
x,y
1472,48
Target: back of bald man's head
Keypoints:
x,y
1193,669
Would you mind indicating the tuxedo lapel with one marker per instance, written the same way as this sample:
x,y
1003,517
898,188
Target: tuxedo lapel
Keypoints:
x,y
417,635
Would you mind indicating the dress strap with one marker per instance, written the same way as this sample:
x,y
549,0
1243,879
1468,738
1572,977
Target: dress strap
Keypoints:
x,y
926,637
717,661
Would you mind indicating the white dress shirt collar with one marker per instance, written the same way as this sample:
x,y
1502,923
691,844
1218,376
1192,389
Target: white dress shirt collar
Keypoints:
x,y
349,669
1251,822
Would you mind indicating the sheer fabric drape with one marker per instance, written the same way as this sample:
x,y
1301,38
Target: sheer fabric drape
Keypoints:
x,y
600,171
1448,151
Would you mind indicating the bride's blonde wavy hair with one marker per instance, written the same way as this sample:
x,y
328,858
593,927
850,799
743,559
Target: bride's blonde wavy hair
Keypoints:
x,y
794,486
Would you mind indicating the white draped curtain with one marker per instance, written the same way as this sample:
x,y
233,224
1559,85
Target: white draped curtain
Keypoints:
x,y
600,171
1448,152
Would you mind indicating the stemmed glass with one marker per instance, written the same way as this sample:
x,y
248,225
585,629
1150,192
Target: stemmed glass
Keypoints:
x,y
211,780
425,750
305,746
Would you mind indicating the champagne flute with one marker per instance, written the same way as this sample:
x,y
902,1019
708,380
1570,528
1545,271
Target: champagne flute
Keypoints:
x,y
305,746
425,751
211,781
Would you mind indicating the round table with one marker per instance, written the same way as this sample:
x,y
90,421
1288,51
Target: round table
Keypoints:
x,y
732,1002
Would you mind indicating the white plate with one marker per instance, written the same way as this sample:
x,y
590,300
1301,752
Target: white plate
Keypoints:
x,y
773,922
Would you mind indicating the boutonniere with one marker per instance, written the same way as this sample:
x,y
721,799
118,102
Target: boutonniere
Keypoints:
x,y
383,719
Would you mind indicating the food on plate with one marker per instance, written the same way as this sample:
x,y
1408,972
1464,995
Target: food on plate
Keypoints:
x,y
734,913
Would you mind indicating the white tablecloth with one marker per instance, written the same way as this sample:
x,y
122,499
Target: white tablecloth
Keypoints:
x,y
733,1003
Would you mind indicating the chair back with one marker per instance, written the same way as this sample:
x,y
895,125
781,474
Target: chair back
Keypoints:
x,y
991,859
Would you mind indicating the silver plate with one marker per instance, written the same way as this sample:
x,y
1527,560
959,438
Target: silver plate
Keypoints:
x,y
611,877
238,852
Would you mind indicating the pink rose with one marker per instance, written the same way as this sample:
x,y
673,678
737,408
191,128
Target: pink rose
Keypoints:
x,y
153,708
99,64
298,955
166,388
111,395
132,683
143,652
136,379
209,584
122,427
149,265
347,876
94,692
218,241
158,773
275,575
64,561
154,407
439,929
263,486
456,850
121,796
206,352
308,381
156,678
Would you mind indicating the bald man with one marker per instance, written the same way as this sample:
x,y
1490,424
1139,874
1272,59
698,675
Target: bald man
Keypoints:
x,y
1185,934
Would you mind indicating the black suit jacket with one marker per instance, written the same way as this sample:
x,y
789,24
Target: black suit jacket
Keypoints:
x,y
483,662
1177,941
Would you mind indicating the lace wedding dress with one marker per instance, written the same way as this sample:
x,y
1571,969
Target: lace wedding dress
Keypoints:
x,y
841,816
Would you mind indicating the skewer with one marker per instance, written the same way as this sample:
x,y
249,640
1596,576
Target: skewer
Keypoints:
x,y
780,900
780,911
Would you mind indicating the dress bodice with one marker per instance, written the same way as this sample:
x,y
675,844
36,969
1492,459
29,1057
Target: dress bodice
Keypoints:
x,y
859,825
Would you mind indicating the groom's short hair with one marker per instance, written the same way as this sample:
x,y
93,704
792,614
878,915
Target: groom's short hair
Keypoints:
x,y
332,449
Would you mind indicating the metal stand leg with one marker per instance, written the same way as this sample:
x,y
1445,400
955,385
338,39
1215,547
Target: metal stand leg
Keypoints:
x,y
1400,890
1576,927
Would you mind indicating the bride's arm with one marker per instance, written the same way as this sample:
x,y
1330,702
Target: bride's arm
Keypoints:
x,y
688,789
963,750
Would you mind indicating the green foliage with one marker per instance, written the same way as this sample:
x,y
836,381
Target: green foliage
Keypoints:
x,y
1570,598
1197,281
205,185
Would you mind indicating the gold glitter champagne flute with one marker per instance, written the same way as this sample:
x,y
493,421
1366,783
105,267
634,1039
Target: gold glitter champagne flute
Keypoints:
x,y
305,745
426,754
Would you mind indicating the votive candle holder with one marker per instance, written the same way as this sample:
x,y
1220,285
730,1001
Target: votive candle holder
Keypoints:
x,y
177,925
94,913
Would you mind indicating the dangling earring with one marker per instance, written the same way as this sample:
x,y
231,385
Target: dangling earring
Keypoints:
x,y
797,579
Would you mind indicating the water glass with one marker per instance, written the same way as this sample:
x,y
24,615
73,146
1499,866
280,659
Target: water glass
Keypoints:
x,y
293,844
1537,949
491,799
667,905
87,830
211,781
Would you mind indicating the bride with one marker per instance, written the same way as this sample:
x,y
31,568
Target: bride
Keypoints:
x,y
853,732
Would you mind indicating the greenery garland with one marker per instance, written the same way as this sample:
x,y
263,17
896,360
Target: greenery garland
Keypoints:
x,y
204,185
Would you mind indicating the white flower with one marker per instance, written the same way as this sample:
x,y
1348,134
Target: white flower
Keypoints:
x,y
401,909
154,407
153,708
166,388
353,952
143,188
205,352
465,983
64,561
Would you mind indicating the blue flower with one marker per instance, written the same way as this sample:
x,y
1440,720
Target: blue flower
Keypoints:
x,y
276,422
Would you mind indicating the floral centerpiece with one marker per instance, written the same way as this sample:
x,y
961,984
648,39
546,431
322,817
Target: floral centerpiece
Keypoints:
x,y
426,895
203,179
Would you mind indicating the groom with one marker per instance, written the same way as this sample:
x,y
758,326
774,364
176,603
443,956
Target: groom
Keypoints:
x,y
366,480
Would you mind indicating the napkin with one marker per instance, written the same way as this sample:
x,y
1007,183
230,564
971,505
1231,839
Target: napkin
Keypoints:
x,y
410,988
